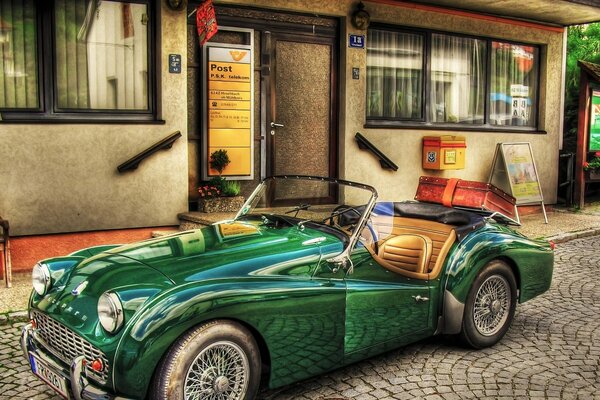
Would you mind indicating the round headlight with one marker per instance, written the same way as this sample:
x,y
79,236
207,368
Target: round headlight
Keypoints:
x,y
40,279
110,312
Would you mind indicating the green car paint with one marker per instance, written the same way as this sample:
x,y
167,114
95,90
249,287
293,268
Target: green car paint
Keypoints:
x,y
532,261
309,313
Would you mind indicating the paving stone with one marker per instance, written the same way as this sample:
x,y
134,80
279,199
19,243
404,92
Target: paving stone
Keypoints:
x,y
552,351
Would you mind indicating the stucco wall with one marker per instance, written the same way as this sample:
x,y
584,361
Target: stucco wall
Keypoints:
x,y
403,146
63,177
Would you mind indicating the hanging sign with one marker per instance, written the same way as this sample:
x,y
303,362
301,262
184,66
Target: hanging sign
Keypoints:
x,y
228,73
514,171
594,142
206,21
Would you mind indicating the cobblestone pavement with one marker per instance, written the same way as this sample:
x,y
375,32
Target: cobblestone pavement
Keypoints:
x,y
552,351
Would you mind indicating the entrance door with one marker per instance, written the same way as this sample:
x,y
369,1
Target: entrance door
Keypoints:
x,y
301,110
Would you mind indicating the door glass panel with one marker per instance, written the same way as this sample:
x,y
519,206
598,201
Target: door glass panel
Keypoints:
x,y
18,54
303,87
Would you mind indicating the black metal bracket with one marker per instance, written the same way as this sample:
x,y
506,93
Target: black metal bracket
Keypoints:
x,y
134,161
364,144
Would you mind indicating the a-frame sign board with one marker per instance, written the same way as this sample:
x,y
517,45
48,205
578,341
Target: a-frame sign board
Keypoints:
x,y
515,172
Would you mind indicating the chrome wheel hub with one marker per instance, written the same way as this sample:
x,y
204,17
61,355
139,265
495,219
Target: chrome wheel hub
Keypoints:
x,y
219,372
221,384
492,305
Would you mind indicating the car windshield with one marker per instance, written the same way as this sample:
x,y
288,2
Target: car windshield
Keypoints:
x,y
298,200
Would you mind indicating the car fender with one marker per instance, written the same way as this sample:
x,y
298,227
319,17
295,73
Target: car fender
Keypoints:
x,y
530,260
264,305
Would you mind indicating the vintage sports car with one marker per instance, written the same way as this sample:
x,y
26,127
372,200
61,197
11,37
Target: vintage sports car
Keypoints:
x,y
284,291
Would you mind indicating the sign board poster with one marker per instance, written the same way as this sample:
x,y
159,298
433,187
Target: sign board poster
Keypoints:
x,y
229,108
594,142
514,171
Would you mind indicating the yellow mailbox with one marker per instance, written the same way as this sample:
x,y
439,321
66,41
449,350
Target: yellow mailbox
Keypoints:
x,y
444,152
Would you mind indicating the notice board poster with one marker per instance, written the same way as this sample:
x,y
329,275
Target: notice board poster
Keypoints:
x,y
594,142
229,113
514,162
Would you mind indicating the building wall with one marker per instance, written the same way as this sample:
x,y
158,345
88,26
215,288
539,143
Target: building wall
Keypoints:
x,y
63,177
403,146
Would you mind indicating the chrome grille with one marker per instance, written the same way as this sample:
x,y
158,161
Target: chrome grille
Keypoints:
x,y
66,345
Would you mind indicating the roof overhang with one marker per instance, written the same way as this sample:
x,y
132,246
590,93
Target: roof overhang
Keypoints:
x,y
550,12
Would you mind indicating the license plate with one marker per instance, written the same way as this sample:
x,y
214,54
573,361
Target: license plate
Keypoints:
x,y
54,379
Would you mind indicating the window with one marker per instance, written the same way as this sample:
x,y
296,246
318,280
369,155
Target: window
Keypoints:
x,y
18,53
395,75
465,81
98,63
514,77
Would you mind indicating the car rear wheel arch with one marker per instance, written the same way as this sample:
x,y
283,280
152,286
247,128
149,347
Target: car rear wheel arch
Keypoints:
x,y
515,270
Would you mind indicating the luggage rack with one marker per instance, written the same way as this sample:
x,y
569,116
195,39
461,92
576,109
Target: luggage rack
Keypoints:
x,y
495,215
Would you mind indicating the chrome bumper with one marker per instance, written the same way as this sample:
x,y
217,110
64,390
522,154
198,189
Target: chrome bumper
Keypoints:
x,y
81,389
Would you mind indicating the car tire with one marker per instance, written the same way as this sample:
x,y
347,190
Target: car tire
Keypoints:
x,y
490,306
193,366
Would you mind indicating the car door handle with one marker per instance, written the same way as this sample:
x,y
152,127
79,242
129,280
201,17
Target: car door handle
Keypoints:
x,y
420,298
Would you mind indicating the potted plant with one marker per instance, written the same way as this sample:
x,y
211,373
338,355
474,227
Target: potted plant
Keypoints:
x,y
219,194
592,167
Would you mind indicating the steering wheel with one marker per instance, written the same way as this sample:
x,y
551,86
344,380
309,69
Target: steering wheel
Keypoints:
x,y
342,209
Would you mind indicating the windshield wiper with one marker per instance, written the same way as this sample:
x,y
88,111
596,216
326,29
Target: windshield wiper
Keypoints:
x,y
298,208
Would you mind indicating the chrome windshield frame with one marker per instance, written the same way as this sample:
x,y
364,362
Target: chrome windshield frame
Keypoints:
x,y
345,254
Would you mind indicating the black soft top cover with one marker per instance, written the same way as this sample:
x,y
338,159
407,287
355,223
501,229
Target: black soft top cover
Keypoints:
x,y
464,221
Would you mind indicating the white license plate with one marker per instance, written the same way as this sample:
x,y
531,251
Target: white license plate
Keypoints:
x,y
55,380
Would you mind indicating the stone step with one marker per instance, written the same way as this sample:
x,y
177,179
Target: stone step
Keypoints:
x,y
197,219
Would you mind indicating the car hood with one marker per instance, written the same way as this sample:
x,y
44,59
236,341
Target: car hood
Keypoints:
x,y
233,249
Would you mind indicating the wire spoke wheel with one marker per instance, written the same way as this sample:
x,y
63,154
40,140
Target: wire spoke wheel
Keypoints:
x,y
219,372
492,305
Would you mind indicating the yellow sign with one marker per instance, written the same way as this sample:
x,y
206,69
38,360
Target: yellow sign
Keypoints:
x,y
450,157
229,78
236,229
514,171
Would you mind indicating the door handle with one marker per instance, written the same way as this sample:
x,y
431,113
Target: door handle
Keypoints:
x,y
420,298
276,125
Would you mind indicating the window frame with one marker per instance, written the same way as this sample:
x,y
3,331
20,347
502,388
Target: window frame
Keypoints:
x,y
48,110
425,122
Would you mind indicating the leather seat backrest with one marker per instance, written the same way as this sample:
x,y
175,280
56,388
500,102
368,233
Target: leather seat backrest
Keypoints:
x,y
407,251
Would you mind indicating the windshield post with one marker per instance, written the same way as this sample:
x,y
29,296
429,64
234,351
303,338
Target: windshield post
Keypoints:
x,y
345,255
248,204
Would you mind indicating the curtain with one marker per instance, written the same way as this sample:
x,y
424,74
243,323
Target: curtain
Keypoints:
x,y
513,84
71,55
18,54
101,55
394,75
457,79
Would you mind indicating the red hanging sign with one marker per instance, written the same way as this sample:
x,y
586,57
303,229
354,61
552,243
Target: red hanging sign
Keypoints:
x,y
206,21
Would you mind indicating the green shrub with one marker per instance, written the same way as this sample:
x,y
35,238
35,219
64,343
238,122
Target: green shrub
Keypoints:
x,y
230,188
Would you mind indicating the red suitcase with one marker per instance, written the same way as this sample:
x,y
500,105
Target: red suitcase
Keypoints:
x,y
468,194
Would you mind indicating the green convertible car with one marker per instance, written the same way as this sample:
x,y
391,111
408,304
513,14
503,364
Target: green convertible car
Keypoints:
x,y
286,290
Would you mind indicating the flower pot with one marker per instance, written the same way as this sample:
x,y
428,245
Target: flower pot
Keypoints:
x,y
592,175
221,204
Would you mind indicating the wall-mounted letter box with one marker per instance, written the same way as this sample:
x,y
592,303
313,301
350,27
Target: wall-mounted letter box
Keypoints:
x,y
444,152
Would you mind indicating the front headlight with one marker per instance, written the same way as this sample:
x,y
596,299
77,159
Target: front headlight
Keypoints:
x,y
110,312
40,279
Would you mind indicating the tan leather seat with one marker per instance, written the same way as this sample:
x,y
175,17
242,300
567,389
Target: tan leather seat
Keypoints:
x,y
408,252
